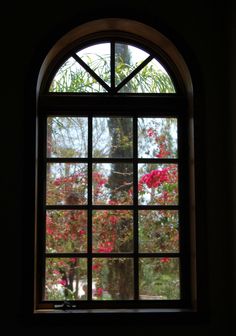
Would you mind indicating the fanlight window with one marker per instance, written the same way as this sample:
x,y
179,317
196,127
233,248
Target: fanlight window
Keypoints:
x,y
113,177
112,68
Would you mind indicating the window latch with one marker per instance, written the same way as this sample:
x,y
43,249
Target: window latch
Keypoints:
x,y
66,305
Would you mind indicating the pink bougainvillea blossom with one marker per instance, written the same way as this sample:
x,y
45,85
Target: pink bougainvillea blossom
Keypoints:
x,y
106,247
62,282
165,260
154,178
99,291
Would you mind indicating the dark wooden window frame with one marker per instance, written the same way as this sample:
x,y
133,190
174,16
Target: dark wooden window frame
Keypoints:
x,y
129,105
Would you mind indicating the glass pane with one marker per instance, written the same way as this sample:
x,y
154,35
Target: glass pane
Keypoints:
x,y
112,231
113,279
158,184
112,137
158,231
65,279
127,58
159,279
66,183
67,137
66,231
97,57
72,77
112,183
157,138
151,79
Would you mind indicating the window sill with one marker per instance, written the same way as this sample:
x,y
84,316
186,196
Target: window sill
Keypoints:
x,y
114,311
136,317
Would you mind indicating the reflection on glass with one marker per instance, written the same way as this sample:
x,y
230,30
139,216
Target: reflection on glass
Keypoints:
x,y
66,231
127,58
151,79
112,183
97,57
158,184
159,279
158,231
112,137
72,77
113,279
112,231
66,183
67,137
157,138
65,279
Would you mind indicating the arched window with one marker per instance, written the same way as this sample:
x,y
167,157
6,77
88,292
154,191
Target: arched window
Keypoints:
x,y
115,191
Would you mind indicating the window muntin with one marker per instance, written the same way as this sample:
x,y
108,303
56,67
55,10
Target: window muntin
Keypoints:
x,y
128,213
136,259
107,67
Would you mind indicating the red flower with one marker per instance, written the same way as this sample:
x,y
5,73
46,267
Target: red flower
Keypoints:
x,y
150,132
165,260
99,291
98,178
73,260
154,178
81,232
113,219
49,231
96,267
58,181
62,282
105,247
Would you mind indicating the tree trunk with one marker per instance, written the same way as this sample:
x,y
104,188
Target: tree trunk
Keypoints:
x,y
120,274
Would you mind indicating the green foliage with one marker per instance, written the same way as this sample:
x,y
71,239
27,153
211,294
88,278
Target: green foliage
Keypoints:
x,y
71,77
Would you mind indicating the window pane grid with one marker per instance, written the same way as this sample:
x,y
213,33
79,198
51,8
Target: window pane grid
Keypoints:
x,y
136,255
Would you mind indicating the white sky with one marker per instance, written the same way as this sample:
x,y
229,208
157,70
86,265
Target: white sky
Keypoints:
x,y
137,54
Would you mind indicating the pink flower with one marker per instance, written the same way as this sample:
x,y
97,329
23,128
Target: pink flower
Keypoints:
x,y
105,247
165,260
150,132
99,179
58,181
113,219
112,202
48,220
62,282
99,291
96,267
155,178
49,231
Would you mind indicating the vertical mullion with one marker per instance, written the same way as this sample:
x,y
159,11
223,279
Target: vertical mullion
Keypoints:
x,y
43,152
184,261
135,203
89,223
112,67
180,202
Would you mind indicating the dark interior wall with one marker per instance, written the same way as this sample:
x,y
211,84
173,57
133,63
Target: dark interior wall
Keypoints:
x,y
232,145
202,33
